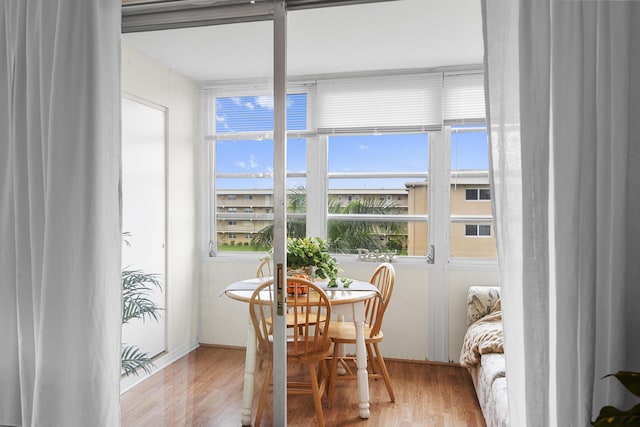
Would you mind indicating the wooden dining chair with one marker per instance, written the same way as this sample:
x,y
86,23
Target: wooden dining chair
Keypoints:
x,y
308,341
343,332
264,272
264,269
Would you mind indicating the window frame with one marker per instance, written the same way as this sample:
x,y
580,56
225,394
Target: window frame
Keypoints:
x,y
477,228
478,191
317,176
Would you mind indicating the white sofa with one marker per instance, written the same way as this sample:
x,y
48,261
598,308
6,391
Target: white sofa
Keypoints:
x,y
482,353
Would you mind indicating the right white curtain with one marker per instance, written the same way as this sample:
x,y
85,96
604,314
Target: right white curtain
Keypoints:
x,y
563,105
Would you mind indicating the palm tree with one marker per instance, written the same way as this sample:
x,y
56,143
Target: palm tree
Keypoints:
x,y
349,236
343,236
296,227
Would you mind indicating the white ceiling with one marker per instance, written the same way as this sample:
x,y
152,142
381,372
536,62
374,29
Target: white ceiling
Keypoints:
x,y
392,35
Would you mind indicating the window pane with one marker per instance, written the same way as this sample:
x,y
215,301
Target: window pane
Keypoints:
x,y
255,113
375,175
244,156
244,173
379,153
349,236
469,148
470,196
469,242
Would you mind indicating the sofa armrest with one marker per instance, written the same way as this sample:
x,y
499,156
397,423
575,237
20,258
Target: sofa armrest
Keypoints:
x,y
480,301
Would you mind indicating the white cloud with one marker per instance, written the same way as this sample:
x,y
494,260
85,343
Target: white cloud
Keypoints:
x,y
252,162
248,164
249,105
221,118
236,100
364,147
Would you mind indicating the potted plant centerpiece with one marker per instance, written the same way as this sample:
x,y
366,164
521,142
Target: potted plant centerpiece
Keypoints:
x,y
309,258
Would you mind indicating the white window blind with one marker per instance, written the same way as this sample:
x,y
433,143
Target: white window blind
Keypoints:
x,y
389,103
463,97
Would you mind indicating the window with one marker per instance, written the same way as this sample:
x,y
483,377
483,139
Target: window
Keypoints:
x,y
370,143
477,194
232,223
477,230
241,142
233,235
368,220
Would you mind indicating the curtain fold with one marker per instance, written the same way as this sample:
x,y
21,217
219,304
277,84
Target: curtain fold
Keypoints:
x,y
60,213
560,83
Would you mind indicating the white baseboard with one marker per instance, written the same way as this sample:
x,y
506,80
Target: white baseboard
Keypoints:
x,y
126,383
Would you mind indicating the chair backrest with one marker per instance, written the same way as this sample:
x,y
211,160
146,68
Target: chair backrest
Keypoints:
x,y
311,313
383,278
260,312
264,268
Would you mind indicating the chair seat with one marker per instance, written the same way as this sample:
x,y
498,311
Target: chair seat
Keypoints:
x,y
345,332
291,319
298,357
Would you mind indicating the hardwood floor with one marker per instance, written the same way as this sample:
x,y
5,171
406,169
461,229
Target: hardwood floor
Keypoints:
x,y
204,388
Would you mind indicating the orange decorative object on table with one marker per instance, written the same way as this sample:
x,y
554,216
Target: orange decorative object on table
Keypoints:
x,y
302,289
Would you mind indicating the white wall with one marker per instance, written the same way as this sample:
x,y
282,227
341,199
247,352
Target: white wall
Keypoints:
x,y
406,323
146,79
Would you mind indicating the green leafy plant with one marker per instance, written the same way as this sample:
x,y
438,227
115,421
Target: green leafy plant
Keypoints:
x,y
613,417
312,252
137,287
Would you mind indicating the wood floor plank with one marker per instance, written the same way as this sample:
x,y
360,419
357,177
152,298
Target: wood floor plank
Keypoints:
x,y
204,389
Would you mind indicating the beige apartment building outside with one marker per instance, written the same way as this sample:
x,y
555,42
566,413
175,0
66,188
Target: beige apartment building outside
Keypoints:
x,y
243,213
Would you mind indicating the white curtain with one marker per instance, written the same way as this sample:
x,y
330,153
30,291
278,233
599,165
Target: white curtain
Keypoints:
x,y
59,212
563,99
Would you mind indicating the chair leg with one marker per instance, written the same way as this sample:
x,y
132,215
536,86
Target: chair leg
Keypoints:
x,y
385,373
317,401
333,376
263,394
373,364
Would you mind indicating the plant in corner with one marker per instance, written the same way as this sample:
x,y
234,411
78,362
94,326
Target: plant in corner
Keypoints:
x,y
613,417
137,287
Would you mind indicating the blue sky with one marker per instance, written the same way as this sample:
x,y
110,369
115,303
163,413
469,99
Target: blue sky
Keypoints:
x,y
361,153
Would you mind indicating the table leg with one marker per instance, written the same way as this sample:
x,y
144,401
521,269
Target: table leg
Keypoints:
x,y
361,360
249,376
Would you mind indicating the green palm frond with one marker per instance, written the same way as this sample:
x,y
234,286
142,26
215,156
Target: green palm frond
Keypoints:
x,y
137,288
348,236
133,358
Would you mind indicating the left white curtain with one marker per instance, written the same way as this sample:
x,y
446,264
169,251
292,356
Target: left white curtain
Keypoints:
x,y
60,213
